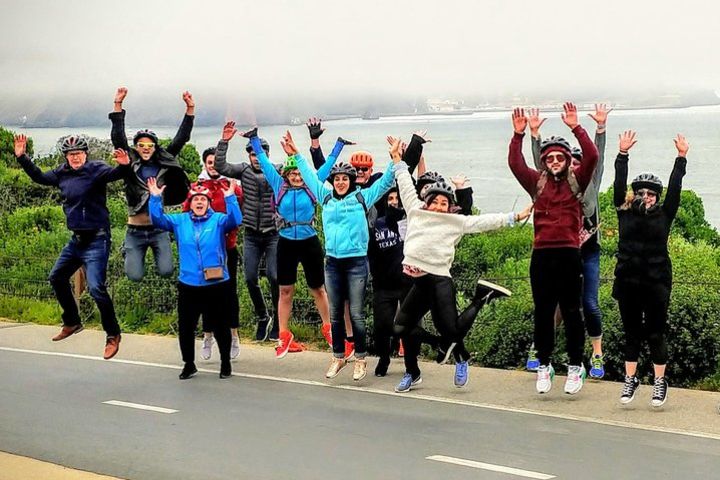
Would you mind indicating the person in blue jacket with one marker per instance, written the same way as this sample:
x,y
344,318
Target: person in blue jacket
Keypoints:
x,y
345,225
83,186
203,283
294,205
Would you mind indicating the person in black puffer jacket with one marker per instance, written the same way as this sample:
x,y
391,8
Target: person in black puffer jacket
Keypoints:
x,y
643,274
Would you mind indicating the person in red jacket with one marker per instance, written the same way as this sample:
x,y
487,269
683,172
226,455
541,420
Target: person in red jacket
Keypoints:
x,y
215,183
555,265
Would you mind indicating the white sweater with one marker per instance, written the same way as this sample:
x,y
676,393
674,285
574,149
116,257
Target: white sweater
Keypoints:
x,y
432,237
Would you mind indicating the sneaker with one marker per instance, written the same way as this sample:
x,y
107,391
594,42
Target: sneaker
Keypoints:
x,y
461,374
545,375
659,392
629,389
489,291
575,379
533,363
382,366
326,330
274,334
66,331
235,347
188,371
112,345
445,349
206,350
349,350
296,347
407,382
360,369
336,365
225,370
597,367
401,350
263,329
281,350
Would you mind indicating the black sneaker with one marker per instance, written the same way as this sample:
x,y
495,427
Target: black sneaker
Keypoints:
x,y
263,329
382,366
274,327
188,371
629,389
659,392
489,291
444,350
225,370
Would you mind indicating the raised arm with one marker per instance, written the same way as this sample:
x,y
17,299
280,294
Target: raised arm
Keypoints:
x,y
600,117
535,122
406,187
463,194
33,171
414,150
234,170
117,118
627,141
324,170
315,129
158,218
310,178
379,188
525,175
584,172
672,197
233,218
109,174
183,134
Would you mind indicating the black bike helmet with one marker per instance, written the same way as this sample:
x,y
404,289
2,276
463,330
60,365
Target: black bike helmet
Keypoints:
x,y
147,134
439,188
263,143
649,181
576,153
555,142
345,168
207,152
73,143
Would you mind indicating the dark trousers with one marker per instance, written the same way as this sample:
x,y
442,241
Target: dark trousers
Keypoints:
x,y
255,245
233,302
591,284
385,306
92,253
556,279
211,302
644,315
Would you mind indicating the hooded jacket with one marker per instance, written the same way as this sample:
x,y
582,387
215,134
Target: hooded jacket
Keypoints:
x,y
170,173
83,191
217,201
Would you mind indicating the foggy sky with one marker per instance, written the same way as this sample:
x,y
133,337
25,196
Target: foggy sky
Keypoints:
x,y
319,50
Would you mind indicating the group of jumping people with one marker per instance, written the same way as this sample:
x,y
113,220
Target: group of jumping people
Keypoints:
x,y
399,228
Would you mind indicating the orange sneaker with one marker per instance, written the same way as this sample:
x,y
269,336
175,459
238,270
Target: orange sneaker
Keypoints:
x,y
401,350
326,330
284,341
349,350
296,347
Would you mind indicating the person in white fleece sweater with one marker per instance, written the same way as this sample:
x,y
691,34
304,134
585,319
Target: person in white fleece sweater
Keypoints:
x,y
433,232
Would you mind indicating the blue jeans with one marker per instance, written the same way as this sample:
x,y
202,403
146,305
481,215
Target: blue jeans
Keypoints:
x,y
346,280
591,284
255,245
135,246
91,253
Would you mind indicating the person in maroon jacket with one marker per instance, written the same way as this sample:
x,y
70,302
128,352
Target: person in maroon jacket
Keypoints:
x,y
215,183
555,265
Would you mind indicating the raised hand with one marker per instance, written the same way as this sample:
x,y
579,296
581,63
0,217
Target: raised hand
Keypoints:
x,y
120,95
519,120
315,127
229,131
121,156
534,121
345,142
627,141
20,145
288,144
188,99
390,139
153,187
601,114
422,134
230,190
682,145
459,181
253,132
569,115
395,151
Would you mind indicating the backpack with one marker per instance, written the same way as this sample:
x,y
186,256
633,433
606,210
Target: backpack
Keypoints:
x,y
570,178
280,222
370,213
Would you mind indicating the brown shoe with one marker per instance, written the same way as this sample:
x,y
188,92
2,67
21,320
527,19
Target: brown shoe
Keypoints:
x,y
66,331
112,345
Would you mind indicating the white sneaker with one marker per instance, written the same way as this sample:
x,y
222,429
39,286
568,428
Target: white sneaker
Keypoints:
x,y
360,369
235,347
206,350
545,375
575,379
336,365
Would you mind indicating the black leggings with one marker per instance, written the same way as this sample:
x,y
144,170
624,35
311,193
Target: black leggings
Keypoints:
x,y
435,294
556,279
211,302
644,315
233,302
385,306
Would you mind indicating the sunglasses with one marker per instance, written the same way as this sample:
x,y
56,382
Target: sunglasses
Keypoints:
x,y
645,192
552,158
145,144
363,169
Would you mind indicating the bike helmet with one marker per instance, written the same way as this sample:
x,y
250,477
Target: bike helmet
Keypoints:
x,y
345,168
361,159
439,188
576,153
649,181
73,143
290,164
263,143
147,134
199,189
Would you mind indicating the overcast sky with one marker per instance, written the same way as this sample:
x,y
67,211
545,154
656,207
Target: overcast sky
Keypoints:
x,y
335,47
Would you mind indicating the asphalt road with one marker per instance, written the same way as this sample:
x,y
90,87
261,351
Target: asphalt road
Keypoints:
x,y
51,408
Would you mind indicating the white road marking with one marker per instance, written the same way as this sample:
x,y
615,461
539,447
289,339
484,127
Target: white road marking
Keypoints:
x,y
489,466
451,401
140,406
